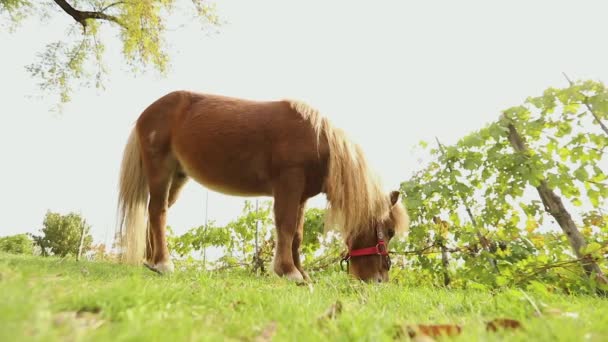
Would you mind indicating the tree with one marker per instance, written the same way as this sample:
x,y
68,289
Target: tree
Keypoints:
x,y
508,189
62,234
17,244
78,56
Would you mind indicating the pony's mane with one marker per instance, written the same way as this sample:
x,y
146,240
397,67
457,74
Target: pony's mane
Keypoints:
x,y
400,218
354,193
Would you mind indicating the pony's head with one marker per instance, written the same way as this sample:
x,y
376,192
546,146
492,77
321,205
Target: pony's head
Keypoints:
x,y
357,203
367,254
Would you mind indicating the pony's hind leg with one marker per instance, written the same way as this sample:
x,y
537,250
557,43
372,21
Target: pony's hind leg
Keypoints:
x,y
157,212
288,189
178,181
160,169
177,184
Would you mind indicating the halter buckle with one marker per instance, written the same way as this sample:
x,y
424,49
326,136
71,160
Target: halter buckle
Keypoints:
x,y
344,260
381,248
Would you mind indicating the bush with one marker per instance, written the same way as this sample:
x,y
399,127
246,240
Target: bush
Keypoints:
x,y
17,244
62,234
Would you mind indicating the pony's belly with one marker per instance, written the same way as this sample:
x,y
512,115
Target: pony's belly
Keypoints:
x,y
242,181
231,191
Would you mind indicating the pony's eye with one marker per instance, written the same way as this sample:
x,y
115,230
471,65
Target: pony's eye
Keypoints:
x,y
391,232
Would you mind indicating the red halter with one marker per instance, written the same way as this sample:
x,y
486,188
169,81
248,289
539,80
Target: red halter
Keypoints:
x,y
378,249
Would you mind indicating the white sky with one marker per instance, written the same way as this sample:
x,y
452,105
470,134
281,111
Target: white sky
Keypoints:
x,y
390,73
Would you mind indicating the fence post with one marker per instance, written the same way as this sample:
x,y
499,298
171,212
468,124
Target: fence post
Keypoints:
x,y
256,256
84,224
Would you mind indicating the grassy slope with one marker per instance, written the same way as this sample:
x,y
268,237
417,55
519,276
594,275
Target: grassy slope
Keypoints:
x,y
136,304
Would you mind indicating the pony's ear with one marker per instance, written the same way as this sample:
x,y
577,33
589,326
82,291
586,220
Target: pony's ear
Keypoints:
x,y
394,197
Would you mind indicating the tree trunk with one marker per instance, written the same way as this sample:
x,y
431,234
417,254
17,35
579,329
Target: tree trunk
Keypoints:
x,y
555,207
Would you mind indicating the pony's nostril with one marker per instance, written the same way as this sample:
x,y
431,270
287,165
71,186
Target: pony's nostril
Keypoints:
x,y
379,279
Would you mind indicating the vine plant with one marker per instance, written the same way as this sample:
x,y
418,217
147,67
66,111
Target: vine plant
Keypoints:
x,y
527,191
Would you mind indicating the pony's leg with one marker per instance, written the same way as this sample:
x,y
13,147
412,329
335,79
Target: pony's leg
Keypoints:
x,y
297,240
159,171
288,189
149,245
179,180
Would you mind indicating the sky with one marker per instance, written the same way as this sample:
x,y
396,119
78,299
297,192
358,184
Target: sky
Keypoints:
x,y
390,73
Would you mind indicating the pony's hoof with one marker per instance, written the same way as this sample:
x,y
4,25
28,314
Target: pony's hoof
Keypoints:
x,y
161,267
294,276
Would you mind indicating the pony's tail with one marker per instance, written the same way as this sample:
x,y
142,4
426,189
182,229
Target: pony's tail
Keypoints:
x,y
132,204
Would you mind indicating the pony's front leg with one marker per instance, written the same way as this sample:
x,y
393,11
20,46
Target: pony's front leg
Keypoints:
x,y
288,189
297,241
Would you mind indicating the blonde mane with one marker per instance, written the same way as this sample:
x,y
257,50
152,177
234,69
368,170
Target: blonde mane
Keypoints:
x,y
400,218
354,193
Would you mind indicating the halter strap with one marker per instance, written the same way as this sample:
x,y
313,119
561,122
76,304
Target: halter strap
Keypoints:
x,y
378,249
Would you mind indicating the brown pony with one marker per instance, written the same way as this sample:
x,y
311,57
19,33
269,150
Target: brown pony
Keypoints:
x,y
284,149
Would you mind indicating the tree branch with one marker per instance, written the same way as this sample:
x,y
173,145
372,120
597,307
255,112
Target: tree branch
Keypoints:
x,y
595,116
82,16
589,108
482,239
112,5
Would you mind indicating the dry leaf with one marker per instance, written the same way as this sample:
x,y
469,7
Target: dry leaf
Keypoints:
x,y
433,330
94,309
504,323
399,335
85,318
267,333
234,305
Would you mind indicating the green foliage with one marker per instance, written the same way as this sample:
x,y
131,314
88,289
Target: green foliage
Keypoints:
x,y
483,192
61,234
16,10
76,60
314,227
237,239
17,244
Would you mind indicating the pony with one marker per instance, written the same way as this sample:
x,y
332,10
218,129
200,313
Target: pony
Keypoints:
x,y
284,149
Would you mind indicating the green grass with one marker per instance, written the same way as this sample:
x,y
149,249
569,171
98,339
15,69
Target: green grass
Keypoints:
x,y
133,304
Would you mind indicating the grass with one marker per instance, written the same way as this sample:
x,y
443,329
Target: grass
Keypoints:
x,y
40,299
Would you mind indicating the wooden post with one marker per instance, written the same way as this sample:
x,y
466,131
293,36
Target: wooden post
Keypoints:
x,y
205,229
257,264
442,229
446,264
84,224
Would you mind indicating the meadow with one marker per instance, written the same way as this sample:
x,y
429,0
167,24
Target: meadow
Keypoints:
x,y
54,299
